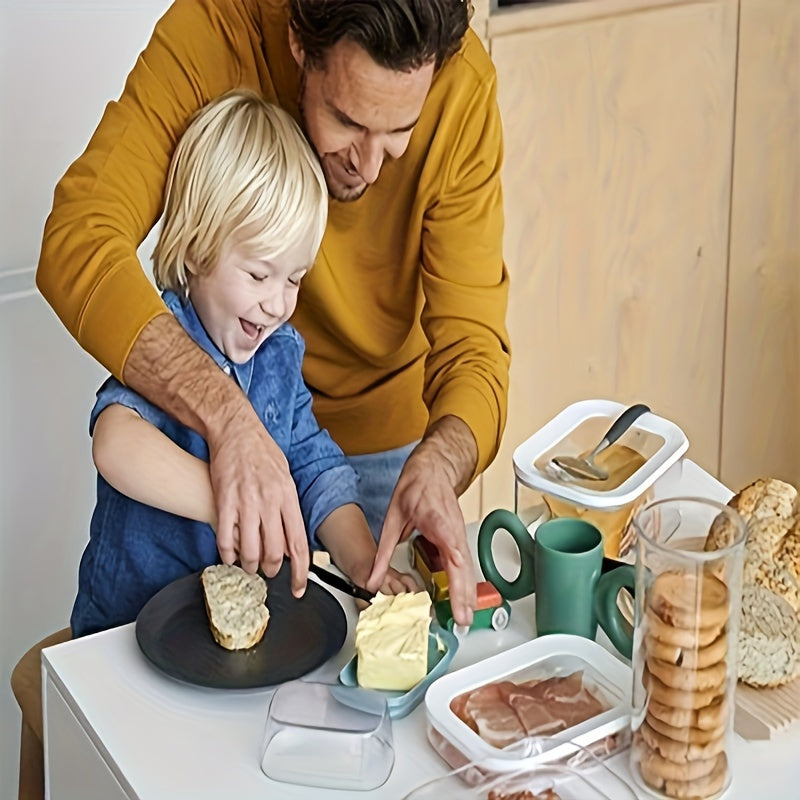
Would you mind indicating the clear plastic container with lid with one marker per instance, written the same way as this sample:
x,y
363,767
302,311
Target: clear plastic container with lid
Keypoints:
x,y
640,457
328,735
565,687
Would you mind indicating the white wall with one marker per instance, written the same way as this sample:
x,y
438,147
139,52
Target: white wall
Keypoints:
x,y
61,61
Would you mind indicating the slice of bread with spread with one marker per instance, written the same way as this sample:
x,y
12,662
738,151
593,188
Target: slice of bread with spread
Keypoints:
x,y
235,603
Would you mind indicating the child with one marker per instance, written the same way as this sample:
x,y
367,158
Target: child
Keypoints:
x,y
245,211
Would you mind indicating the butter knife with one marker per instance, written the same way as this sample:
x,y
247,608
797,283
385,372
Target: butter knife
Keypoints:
x,y
342,584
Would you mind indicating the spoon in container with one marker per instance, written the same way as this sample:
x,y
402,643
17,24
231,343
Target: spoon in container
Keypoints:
x,y
584,466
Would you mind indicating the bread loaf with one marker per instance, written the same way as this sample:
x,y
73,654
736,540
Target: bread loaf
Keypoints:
x,y
769,639
772,551
769,633
235,603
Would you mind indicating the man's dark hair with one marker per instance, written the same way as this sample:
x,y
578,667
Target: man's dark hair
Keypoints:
x,y
401,35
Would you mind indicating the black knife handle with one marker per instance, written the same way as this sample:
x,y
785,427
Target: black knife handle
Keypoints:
x,y
341,584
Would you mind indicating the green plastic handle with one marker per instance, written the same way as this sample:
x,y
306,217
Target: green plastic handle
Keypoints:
x,y
609,617
501,519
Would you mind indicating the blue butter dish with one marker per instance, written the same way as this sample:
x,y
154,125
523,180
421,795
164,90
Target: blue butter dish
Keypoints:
x,y
442,646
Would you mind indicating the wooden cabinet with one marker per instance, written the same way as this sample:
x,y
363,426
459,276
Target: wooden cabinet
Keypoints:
x,y
761,404
638,272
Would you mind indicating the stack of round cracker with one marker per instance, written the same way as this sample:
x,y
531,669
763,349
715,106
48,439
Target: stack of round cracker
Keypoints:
x,y
680,745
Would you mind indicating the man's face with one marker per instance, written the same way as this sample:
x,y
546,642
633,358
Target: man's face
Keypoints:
x,y
357,113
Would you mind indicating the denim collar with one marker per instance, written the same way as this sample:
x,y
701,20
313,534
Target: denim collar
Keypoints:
x,y
187,316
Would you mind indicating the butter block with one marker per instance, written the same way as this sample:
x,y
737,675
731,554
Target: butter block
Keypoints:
x,y
392,641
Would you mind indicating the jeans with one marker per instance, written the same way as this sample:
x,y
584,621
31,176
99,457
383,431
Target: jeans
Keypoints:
x,y
378,474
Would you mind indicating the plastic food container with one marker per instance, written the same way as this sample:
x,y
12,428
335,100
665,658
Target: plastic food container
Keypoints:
x,y
442,646
328,735
591,781
641,456
558,656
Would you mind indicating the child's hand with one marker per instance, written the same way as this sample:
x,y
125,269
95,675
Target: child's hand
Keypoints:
x,y
394,583
397,582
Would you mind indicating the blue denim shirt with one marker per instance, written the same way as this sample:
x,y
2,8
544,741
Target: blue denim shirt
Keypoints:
x,y
134,550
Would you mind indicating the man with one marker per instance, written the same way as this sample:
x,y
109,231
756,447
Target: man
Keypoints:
x,y
403,314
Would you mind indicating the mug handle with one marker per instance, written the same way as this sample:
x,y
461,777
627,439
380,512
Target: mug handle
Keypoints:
x,y
523,584
609,617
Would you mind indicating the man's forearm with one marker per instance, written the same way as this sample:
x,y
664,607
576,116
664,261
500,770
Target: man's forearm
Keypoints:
x,y
257,510
451,441
171,371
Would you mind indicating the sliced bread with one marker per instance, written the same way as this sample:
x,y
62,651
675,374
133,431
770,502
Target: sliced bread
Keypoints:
x,y
769,639
772,551
235,603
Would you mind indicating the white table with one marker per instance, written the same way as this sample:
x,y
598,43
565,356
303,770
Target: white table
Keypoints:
x,y
115,727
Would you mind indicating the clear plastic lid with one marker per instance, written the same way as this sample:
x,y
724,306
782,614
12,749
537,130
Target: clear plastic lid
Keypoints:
x,y
584,779
653,443
328,735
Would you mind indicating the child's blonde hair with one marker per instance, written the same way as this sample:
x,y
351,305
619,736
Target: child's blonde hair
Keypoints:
x,y
242,171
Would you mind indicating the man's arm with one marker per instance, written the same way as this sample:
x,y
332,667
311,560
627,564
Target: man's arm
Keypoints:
x,y
465,284
104,207
258,514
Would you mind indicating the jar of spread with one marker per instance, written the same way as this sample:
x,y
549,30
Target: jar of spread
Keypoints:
x,y
642,455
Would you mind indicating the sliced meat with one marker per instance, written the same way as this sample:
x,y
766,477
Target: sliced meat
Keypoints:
x,y
504,712
496,721
536,717
568,698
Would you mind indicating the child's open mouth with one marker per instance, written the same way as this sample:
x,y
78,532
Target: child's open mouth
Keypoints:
x,y
252,331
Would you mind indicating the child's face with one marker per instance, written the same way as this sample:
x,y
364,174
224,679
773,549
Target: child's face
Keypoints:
x,y
244,299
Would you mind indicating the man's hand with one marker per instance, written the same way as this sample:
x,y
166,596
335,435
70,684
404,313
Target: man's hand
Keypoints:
x,y
258,513
426,499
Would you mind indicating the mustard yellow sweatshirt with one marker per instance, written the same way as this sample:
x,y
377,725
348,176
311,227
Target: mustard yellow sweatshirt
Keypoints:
x,y
404,311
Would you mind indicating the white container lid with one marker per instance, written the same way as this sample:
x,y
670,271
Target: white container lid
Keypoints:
x,y
660,441
552,655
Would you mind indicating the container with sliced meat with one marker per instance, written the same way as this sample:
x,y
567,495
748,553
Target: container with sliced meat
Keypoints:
x,y
547,701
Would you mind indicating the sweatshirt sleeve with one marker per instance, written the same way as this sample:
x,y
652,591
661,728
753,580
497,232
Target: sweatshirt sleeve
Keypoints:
x,y
464,279
112,195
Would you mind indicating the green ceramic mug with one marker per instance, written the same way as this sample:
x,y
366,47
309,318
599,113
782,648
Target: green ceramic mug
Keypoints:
x,y
562,564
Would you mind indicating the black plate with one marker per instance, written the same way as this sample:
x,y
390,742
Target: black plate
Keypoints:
x,y
172,631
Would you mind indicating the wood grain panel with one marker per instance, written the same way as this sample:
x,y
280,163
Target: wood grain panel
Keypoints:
x,y
761,411
617,191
